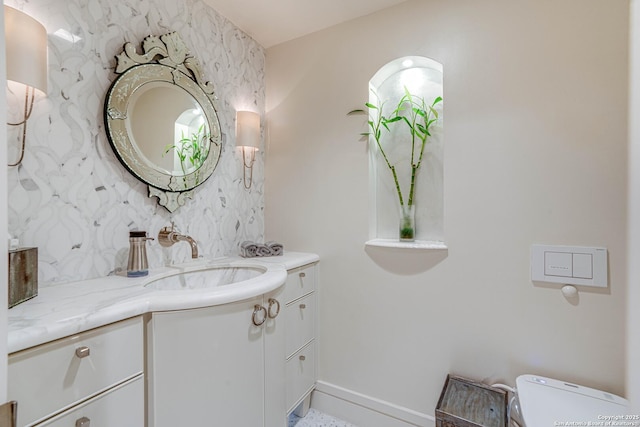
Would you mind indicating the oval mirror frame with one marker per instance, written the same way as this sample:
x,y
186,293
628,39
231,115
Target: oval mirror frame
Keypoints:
x,y
166,61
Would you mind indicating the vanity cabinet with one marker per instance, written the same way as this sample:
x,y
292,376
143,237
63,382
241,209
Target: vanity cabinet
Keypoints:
x,y
214,363
300,341
93,378
248,362
218,365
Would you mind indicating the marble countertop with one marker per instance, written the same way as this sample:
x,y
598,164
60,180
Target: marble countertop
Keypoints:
x,y
70,308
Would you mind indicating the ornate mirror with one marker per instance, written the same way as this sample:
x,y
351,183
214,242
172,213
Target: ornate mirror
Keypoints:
x,y
160,119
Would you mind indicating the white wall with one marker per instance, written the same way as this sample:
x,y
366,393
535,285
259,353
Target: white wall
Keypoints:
x,y
535,119
71,197
633,314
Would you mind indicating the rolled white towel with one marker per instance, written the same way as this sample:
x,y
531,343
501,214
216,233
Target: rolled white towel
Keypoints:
x,y
276,248
248,249
263,250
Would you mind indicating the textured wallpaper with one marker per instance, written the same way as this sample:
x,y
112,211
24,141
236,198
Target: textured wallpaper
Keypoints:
x,y
71,197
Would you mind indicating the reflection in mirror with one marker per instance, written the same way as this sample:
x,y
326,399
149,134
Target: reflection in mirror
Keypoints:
x,y
191,145
161,120
177,143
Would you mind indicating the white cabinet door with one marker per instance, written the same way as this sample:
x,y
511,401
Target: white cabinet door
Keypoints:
x,y
300,317
301,375
275,411
207,367
121,406
54,376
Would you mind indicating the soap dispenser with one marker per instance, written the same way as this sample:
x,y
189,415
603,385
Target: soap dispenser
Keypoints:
x,y
138,265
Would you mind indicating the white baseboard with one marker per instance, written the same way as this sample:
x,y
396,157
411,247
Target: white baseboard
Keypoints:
x,y
365,411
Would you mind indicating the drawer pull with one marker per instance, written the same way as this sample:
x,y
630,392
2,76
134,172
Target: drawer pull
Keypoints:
x,y
257,309
83,422
81,352
303,274
272,302
303,306
302,357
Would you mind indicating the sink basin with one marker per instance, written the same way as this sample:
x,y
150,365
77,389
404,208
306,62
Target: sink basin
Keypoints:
x,y
208,278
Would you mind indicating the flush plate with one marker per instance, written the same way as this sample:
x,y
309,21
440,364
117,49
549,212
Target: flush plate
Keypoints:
x,y
572,265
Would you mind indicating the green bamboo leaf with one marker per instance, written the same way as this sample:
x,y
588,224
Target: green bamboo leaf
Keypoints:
x,y
401,104
395,119
371,105
407,94
435,101
420,112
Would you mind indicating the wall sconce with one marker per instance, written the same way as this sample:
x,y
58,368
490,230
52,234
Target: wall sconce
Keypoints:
x,y
248,139
26,59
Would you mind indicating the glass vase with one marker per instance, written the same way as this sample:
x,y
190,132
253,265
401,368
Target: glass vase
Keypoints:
x,y
407,223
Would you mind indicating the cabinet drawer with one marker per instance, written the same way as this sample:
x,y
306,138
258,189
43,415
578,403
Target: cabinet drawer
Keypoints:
x,y
49,378
120,406
300,320
300,281
301,374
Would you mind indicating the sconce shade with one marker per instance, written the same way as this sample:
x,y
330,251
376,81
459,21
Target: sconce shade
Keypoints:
x,y
247,129
26,49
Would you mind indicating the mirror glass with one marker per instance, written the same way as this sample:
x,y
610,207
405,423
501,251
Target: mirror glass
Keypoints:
x,y
161,120
177,144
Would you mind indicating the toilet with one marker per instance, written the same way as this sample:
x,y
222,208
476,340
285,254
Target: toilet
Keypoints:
x,y
546,402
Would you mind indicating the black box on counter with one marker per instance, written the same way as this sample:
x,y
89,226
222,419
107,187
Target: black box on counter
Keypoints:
x,y
23,275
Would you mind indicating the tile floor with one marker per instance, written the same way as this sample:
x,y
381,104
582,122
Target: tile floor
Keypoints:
x,y
317,419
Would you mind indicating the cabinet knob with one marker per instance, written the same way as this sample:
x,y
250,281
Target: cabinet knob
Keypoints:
x,y
303,306
302,357
259,315
273,302
83,422
81,352
303,274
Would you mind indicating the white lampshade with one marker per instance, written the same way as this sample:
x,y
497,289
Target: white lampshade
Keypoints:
x,y
247,129
26,49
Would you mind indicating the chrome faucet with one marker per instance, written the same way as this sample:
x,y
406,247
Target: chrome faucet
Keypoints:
x,y
168,236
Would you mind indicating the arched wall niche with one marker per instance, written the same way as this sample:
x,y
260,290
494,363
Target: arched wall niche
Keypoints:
x,y
422,77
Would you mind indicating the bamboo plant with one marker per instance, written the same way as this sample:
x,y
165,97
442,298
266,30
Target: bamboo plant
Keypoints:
x,y
419,117
191,150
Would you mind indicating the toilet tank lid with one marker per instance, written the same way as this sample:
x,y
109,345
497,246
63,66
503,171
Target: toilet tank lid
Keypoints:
x,y
548,402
